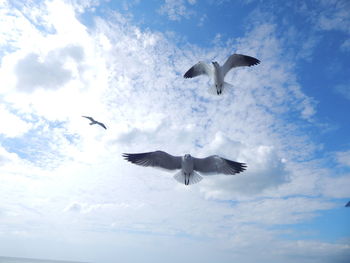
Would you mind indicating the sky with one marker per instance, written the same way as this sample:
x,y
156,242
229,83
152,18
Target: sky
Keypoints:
x,y
67,194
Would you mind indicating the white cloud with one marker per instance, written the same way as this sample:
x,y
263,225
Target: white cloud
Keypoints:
x,y
329,15
336,187
335,15
176,9
12,125
346,45
49,72
344,90
343,158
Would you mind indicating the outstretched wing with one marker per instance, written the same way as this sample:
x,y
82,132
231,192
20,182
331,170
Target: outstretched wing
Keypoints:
x,y
348,204
200,68
154,159
216,164
101,124
238,60
90,118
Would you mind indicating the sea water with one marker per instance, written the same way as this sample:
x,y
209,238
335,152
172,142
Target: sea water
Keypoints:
x,y
30,260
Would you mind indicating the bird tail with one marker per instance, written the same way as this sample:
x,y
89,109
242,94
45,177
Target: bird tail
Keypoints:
x,y
227,85
213,91
194,178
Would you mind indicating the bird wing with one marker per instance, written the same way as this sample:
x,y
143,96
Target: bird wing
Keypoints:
x,y
216,164
238,60
201,68
154,159
90,118
348,204
101,124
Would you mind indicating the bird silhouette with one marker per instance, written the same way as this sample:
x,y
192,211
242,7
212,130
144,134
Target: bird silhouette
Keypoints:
x,y
217,72
187,164
95,122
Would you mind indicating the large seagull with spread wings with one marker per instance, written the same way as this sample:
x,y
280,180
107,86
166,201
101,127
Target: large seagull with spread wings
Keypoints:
x,y
188,165
218,72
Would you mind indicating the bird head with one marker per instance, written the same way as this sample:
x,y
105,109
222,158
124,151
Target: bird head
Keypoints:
x,y
187,156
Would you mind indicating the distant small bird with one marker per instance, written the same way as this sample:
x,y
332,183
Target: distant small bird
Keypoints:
x,y
218,72
206,166
95,122
348,204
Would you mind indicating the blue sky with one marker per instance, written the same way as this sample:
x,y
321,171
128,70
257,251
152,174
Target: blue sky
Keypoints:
x,y
66,191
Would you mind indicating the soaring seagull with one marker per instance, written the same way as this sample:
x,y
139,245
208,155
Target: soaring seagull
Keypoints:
x,y
187,164
218,72
95,122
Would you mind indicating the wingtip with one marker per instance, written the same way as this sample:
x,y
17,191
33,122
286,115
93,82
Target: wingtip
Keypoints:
x,y
187,75
127,157
243,167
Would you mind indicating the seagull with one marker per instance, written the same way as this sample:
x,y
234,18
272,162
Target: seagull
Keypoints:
x,y
187,164
218,72
95,122
348,204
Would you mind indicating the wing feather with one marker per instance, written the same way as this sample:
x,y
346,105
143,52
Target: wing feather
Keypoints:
x,y
216,164
201,68
238,60
90,118
102,125
154,159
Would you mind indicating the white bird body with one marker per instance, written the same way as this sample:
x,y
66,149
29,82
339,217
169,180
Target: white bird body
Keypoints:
x,y
218,72
187,164
218,77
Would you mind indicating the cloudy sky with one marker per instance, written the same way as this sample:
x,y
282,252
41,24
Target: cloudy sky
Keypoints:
x,y
65,191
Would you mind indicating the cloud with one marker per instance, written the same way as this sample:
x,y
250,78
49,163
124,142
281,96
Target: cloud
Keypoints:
x,y
344,90
343,158
346,45
334,15
49,72
336,186
329,15
264,169
12,125
176,10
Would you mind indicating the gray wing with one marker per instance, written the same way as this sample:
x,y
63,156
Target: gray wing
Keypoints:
x,y
348,204
200,68
90,118
215,164
238,60
101,124
154,159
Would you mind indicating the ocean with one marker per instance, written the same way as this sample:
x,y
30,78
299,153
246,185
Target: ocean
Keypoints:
x,y
31,260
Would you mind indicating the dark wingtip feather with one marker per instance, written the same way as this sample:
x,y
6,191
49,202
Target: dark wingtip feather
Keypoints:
x,y
237,166
189,73
130,157
348,204
242,167
253,61
136,158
